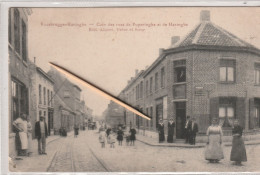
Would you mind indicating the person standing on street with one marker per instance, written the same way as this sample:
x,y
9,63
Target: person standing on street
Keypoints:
x,y
102,137
41,134
186,130
171,126
76,130
161,131
29,134
132,136
193,131
238,151
214,151
120,135
20,125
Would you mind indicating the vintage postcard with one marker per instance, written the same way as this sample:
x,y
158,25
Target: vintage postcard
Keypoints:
x,y
194,71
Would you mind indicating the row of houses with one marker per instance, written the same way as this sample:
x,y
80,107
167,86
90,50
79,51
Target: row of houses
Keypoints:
x,y
209,73
33,91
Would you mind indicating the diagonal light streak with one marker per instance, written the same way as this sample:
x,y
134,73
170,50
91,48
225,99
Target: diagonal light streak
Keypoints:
x,y
97,90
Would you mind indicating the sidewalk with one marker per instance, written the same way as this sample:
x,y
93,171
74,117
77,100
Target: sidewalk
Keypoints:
x,y
154,142
38,162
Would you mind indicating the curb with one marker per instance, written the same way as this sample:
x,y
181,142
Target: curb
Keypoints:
x,y
191,146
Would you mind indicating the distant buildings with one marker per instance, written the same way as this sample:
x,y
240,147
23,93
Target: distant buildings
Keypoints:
x,y
209,73
114,115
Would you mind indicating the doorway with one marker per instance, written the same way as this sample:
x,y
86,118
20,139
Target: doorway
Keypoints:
x,y
50,121
159,113
180,119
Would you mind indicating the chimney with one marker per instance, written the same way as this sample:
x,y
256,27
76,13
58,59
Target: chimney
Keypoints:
x,y
136,72
34,60
161,51
175,39
204,15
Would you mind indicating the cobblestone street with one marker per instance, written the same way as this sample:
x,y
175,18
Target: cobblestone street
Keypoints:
x,y
84,154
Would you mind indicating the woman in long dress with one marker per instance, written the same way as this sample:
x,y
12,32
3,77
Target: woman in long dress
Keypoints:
x,y
29,134
161,131
171,126
238,151
214,151
21,125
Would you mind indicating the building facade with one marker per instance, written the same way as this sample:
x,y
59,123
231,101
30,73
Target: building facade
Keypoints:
x,y
68,110
208,74
41,97
18,68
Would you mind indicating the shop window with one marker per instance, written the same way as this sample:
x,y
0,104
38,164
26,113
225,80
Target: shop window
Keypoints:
x,y
226,112
180,71
227,70
19,101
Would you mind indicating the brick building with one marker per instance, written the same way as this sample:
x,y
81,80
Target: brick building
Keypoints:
x,y
41,96
18,68
209,73
68,110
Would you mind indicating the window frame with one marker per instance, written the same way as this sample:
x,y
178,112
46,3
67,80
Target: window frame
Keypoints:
x,y
226,64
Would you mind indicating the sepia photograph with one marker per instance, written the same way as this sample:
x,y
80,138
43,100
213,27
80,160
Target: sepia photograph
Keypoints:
x,y
140,89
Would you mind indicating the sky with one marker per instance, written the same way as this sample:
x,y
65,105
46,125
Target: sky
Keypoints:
x,y
106,45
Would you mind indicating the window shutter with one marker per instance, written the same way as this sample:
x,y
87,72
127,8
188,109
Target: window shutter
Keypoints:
x,y
251,114
240,111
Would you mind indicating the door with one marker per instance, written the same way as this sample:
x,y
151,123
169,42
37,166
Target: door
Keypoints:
x,y
159,113
180,119
50,121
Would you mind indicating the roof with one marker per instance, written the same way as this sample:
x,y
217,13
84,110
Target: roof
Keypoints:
x,y
62,103
207,33
45,74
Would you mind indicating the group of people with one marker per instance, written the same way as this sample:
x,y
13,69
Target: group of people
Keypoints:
x,y
191,129
23,137
214,151
107,134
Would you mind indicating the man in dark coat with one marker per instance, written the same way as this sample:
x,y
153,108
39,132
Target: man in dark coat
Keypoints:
x,y
171,126
187,130
193,128
41,134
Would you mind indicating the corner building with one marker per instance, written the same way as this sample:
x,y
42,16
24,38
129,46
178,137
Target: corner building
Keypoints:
x,y
209,73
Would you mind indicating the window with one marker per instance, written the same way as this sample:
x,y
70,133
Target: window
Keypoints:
x,y
40,94
9,26
257,73
162,77
24,42
19,101
44,96
156,81
257,115
226,112
180,71
227,70
141,89
147,87
66,94
48,97
51,99
179,91
136,92
151,85
17,30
